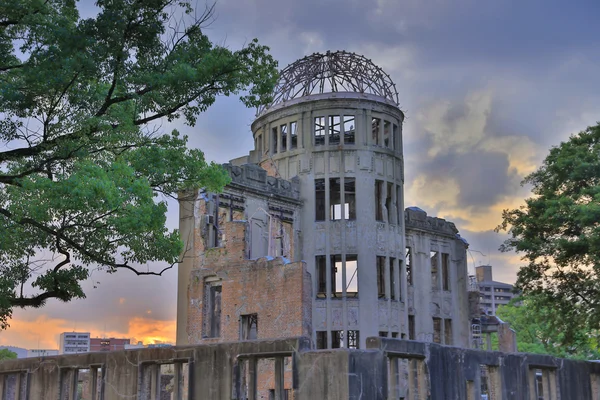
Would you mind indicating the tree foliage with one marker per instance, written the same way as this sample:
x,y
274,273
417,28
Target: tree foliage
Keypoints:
x,y
6,354
82,159
557,232
543,329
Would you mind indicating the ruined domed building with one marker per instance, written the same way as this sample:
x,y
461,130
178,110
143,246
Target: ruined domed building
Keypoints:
x,y
311,237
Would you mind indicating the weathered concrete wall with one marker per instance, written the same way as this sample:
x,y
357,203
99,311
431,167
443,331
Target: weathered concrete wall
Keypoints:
x,y
388,368
428,299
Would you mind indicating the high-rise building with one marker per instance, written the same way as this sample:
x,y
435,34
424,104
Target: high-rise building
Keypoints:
x,y
493,294
311,237
74,342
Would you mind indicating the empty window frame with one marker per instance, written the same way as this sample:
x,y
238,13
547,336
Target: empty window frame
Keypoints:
x,y
212,307
380,276
388,203
446,271
437,330
283,129
379,200
543,384
448,332
392,278
411,328
319,129
321,273
349,129
375,131
319,199
353,339
399,209
293,135
407,379
346,276
321,339
383,334
396,137
409,271
274,135
387,135
336,211
337,339
350,198
249,327
435,284
334,129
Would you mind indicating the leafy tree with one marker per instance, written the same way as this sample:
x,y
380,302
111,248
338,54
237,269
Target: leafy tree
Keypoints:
x,y
557,232
82,159
541,328
6,354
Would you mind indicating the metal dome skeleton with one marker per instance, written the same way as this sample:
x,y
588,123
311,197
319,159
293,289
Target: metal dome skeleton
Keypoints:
x,y
332,72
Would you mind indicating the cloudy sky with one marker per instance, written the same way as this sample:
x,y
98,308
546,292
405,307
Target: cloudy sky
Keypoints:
x,y
487,87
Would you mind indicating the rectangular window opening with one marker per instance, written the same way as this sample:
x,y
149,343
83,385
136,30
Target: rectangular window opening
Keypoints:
x,y
335,198
319,131
383,334
437,330
249,327
408,261
380,276
375,127
293,135
350,198
319,199
321,339
274,135
435,285
283,130
212,307
396,138
448,332
387,135
337,339
392,279
349,129
353,339
321,272
539,384
411,328
446,271
379,200
351,279
388,203
334,129
485,383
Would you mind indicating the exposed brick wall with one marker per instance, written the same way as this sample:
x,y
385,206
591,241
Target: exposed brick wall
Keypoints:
x,y
279,292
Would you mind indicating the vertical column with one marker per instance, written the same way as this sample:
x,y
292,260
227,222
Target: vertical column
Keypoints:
x,y
178,380
252,378
279,379
93,386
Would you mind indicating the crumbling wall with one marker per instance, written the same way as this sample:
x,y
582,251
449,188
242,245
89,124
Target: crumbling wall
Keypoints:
x,y
428,299
387,368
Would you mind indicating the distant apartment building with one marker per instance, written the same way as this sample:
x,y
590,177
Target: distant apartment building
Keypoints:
x,y
493,294
41,353
74,342
108,344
